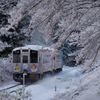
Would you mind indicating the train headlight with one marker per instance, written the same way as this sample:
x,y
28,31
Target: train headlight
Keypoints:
x,y
33,68
16,68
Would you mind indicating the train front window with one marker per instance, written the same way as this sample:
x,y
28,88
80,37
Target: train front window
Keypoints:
x,y
25,59
33,56
16,56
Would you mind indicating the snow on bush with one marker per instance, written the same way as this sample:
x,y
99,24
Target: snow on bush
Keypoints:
x,y
4,95
5,69
3,45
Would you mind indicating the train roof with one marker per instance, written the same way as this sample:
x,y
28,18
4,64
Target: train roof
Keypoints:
x,y
33,47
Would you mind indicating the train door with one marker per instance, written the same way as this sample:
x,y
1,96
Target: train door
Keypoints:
x,y
25,60
40,62
54,64
53,60
25,63
45,61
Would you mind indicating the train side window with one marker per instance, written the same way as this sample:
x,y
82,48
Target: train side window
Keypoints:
x,y
58,58
33,56
46,59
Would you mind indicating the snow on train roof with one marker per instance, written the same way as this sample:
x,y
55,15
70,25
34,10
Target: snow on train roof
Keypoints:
x,y
33,47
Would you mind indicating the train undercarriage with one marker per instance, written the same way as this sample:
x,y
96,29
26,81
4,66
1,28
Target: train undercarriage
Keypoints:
x,y
28,77
33,77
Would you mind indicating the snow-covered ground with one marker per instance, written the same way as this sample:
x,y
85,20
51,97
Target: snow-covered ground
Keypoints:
x,y
45,89
71,84
85,87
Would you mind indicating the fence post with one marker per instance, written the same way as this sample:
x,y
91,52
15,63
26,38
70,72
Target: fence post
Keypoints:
x,y
55,84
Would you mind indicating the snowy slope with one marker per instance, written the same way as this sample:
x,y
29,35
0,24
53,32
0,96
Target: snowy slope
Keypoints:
x,y
87,88
45,89
71,84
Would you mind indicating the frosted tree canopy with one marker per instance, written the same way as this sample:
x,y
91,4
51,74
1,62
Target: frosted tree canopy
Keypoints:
x,y
77,21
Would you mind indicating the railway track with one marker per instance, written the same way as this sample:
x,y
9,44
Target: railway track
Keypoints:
x,y
29,84
14,88
8,88
21,87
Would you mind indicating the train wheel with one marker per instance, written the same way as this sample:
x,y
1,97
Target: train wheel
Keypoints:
x,y
41,76
57,71
21,82
60,69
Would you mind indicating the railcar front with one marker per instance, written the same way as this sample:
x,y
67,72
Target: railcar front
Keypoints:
x,y
25,61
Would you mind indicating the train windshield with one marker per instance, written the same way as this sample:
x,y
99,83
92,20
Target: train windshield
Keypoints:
x,y
16,56
33,56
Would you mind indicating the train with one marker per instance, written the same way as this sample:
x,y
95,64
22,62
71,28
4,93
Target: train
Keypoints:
x,y
35,61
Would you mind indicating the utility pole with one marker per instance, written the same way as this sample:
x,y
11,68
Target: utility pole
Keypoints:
x,y
24,85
